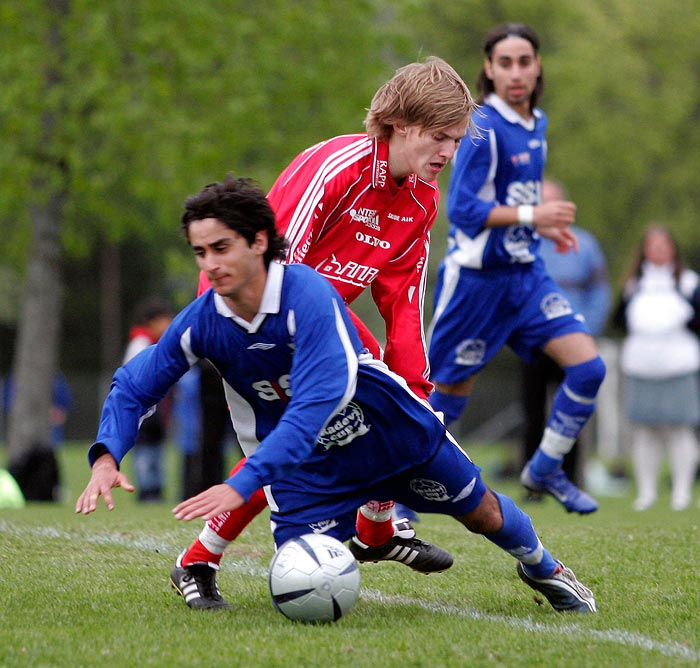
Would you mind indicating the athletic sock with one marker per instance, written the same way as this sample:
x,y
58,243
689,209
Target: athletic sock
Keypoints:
x,y
517,537
572,407
542,464
374,525
221,530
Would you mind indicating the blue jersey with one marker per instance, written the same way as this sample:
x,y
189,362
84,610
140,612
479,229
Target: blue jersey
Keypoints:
x,y
492,287
503,166
312,410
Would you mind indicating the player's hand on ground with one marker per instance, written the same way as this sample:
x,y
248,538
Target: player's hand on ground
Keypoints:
x,y
210,503
105,476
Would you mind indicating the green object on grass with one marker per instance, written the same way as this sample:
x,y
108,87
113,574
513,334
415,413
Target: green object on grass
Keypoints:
x,y
10,494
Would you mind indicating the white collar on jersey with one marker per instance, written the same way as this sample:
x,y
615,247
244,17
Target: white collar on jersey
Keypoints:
x,y
510,114
270,303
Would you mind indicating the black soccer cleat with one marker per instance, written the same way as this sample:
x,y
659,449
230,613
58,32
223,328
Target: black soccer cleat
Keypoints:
x,y
405,548
197,585
564,592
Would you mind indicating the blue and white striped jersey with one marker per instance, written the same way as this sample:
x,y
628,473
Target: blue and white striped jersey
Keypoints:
x,y
310,407
503,166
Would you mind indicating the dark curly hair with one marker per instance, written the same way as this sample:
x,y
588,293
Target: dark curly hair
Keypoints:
x,y
241,205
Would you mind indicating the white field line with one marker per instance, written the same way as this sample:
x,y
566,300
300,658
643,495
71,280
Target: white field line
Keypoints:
x,y
624,638
173,543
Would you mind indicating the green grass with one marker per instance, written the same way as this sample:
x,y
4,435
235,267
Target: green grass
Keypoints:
x,y
90,591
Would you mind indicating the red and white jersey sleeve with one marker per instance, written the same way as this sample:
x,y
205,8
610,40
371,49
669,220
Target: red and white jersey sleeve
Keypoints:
x,y
343,215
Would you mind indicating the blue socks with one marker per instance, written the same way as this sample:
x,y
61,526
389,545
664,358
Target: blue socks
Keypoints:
x,y
573,405
518,538
543,464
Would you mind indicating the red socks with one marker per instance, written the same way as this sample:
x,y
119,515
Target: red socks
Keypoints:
x,y
221,530
374,524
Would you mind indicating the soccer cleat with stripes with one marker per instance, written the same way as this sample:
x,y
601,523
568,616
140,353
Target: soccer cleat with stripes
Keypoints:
x,y
405,548
564,592
197,585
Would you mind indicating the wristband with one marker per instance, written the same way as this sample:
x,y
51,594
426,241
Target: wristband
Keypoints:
x,y
526,215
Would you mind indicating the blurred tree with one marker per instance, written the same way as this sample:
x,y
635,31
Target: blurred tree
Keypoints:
x,y
111,113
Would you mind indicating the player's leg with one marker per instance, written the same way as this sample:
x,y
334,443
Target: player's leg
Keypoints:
x,y
451,484
375,526
573,405
547,322
647,452
194,573
400,545
684,456
469,326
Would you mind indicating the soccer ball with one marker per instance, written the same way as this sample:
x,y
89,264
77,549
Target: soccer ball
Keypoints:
x,y
314,578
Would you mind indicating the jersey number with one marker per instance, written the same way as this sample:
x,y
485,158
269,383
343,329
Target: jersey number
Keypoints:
x,y
274,390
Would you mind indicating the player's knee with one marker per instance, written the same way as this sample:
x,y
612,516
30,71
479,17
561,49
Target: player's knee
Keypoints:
x,y
486,517
586,378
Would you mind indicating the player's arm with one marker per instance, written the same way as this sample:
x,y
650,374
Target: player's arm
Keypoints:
x,y
399,293
323,377
136,388
470,208
564,238
472,177
557,214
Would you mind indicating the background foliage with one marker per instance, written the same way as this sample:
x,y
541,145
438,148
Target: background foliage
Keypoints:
x,y
153,99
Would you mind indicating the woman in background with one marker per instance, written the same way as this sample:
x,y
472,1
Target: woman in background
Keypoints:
x,y
660,362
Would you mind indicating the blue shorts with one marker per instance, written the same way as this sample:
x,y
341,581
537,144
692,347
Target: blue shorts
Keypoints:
x,y
478,312
448,484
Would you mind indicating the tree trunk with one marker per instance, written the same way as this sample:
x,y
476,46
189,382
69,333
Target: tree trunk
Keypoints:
x,y
36,352
112,345
38,333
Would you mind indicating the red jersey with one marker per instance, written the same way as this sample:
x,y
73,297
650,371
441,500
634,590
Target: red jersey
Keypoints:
x,y
344,215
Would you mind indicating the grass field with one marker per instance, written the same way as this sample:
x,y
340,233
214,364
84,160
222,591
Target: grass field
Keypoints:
x,y
93,591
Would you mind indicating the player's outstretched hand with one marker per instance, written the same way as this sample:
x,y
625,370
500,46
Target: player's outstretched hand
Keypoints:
x,y
210,503
105,476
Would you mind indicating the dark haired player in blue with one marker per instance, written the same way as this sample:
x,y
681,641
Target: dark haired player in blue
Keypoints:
x,y
492,286
324,425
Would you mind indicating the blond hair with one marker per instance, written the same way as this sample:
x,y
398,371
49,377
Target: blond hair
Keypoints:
x,y
430,95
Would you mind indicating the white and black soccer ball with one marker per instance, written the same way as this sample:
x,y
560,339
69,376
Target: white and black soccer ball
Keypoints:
x,y
314,578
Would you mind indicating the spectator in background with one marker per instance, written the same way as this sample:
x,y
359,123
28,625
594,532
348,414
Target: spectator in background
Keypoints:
x,y
152,318
37,471
583,277
660,361
62,402
186,426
